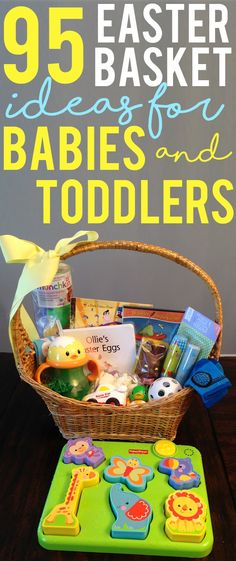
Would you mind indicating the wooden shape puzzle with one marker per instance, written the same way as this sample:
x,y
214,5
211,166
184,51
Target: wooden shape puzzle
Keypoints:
x,y
186,514
82,451
129,471
181,473
130,522
133,514
62,519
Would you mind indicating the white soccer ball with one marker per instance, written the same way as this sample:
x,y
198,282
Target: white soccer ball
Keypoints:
x,y
163,387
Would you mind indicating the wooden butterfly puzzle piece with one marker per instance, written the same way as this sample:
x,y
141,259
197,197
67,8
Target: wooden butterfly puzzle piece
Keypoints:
x,y
62,520
129,471
181,473
133,514
186,517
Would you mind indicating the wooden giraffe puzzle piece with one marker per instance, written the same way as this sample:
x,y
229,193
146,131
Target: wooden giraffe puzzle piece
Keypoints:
x,y
129,471
181,473
62,520
186,514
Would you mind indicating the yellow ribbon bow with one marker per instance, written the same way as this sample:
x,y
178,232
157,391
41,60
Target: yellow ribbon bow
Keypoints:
x,y
40,265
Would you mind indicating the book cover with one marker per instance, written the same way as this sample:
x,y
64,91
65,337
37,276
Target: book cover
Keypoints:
x,y
113,346
158,324
88,312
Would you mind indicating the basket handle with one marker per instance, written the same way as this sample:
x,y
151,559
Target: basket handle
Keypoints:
x,y
167,254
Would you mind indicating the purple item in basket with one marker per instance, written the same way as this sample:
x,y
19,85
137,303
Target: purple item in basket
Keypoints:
x,y
181,473
82,451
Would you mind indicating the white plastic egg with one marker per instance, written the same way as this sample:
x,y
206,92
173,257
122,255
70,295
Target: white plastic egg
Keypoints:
x,y
163,387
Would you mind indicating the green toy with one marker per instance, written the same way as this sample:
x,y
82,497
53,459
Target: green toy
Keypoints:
x,y
139,394
95,514
70,369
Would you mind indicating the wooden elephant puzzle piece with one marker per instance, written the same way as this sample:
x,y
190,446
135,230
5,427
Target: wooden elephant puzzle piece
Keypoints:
x,y
133,514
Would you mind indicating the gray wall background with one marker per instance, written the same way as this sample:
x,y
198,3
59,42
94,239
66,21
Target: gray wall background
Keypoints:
x,y
121,275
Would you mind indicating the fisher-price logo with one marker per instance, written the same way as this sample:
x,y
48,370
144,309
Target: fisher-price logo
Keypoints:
x,y
137,451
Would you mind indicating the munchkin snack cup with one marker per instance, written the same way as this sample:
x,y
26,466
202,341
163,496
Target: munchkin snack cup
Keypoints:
x,y
68,370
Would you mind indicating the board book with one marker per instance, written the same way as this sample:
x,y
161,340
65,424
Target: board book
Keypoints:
x,y
111,345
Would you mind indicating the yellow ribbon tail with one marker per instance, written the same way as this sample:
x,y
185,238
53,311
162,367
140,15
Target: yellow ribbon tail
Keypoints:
x,y
28,325
35,274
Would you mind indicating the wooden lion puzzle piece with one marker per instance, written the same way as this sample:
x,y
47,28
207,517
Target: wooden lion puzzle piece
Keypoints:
x,y
186,514
129,471
133,514
62,519
181,473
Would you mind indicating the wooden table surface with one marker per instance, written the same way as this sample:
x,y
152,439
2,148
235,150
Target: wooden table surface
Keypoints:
x,y
31,444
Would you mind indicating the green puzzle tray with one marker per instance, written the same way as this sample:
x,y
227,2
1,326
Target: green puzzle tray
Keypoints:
x,y
96,517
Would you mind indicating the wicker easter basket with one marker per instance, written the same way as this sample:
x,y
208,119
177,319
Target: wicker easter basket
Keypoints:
x,y
144,423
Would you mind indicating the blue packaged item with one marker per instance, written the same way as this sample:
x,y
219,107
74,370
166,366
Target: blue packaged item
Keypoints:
x,y
208,379
200,331
187,362
41,349
52,302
